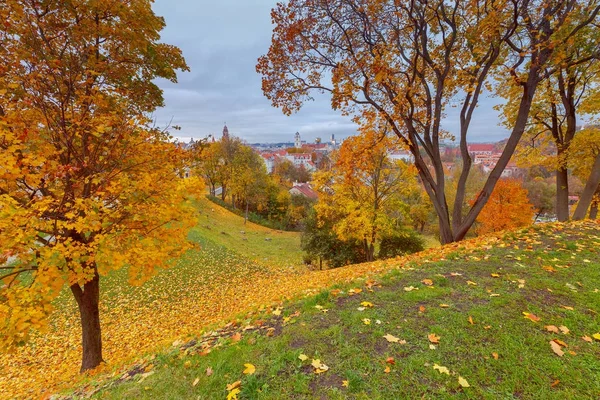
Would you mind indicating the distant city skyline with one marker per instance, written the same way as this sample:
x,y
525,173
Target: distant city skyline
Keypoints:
x,y
221,42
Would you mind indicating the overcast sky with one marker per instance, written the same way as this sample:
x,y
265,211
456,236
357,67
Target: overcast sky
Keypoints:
x,y
221,41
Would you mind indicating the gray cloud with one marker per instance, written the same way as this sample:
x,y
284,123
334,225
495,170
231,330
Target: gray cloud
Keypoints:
x,y
221,42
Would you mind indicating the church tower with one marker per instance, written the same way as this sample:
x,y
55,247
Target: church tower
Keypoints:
x,y
297,141
225,132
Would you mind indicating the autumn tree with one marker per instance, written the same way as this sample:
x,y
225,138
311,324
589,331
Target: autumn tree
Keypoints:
x,y
248,179
209,166
570,87
508,208
363,189
403,62
86,186
585,156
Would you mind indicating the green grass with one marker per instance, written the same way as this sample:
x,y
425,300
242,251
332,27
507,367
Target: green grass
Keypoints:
x,y
250,240
556,270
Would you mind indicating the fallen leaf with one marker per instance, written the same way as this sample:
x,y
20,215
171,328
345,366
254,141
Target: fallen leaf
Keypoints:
x,y
387,369
495,275
250,369
555,383
410,288
196,381
444,305
236,337
494,295
433,338
233,394
463,382
568,308
277,312
390,360
360,308
345,383
432,347
427,282
366,321
495,355
531,317
187,364
560,342
596,336
441,369
319,366
471,283
471,320
352,292
303,357
209,371
234,385
366,304
391,338
422,309
564,329
587,339
551,328
556,348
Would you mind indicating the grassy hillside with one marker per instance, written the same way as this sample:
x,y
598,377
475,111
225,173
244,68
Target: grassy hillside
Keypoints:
x,y
515,317
209,284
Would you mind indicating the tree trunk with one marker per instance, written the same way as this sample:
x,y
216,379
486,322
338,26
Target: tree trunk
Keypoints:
x,y
562,194
594,211
246,217
588,192
88,300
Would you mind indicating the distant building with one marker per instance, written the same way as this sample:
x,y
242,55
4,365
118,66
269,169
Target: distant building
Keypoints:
x,y
297,141
480,149
403,155
304,189
225,132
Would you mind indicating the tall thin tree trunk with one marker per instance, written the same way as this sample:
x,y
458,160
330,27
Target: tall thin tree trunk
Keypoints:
x,y
246,217
588,192
594,211
88,300
562,194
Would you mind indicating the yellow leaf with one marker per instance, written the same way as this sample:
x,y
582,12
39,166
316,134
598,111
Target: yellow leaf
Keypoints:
x,y
564,329
427,282
444,305
587,339
366,304
441,369
495,275
345,383
196,381
531,317
366,321
303,357
495,355
250,369
387,369
433,338
410,288
463,382
391,338
551,328
234,385
596,336
471,283
471,320
233,394
556,348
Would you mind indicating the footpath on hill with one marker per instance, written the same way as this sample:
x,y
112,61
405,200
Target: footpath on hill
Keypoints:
x,y
209,286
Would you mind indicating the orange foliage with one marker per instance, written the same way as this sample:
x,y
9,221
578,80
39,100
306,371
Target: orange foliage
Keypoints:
x,y
507,208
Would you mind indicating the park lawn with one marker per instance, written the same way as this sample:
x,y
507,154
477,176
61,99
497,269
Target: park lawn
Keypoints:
x,y
256,242
495,307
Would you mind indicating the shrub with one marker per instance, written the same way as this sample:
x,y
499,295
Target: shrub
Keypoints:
x,y
400,244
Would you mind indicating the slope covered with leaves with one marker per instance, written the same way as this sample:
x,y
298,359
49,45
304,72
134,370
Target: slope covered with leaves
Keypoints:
x,y
510,317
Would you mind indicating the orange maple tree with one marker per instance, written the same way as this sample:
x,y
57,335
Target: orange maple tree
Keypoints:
x,y
507,208
87,186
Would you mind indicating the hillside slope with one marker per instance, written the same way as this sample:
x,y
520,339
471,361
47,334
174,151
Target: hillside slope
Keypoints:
x,y
510,317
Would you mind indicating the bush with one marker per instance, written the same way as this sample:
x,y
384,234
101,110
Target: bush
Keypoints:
x,y
400,244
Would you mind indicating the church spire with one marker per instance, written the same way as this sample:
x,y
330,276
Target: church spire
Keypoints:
x,y
225,132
